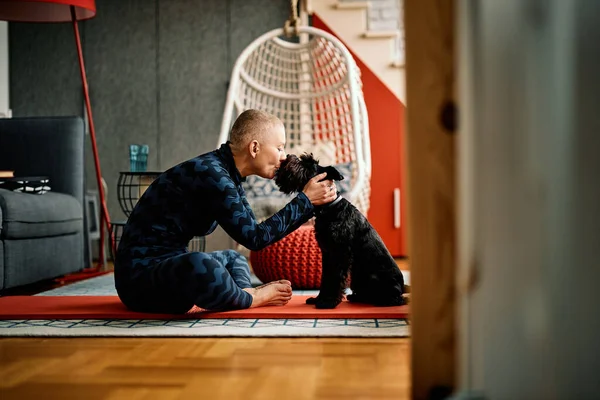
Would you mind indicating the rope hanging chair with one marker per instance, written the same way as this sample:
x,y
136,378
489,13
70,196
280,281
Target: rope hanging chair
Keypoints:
x,y
313,85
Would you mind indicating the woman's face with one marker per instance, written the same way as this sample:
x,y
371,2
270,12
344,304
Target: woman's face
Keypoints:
x,y
271,152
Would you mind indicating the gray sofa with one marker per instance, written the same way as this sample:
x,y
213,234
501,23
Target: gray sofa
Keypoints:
x,y
42,236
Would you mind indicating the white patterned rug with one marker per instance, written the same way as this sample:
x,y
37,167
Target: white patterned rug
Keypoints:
x,y
104,286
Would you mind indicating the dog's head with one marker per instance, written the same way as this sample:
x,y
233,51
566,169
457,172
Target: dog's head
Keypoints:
x,y
295,172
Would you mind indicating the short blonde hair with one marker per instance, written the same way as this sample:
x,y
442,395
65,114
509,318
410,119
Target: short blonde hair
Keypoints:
x,y
250,125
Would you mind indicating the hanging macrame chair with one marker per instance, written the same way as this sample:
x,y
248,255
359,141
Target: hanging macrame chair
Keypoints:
x,y
313,85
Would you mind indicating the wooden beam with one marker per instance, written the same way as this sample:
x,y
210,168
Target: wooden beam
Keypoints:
x,y
430,165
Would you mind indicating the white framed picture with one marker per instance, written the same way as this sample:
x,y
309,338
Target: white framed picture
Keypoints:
x,y
5,111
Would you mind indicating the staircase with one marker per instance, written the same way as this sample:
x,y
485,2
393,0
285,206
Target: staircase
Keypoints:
x,y
371,33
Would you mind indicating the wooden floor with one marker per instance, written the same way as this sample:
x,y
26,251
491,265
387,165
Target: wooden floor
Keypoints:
x,y
182,368
204,368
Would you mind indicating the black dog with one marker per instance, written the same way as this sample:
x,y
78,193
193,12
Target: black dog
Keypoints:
x,y
348,242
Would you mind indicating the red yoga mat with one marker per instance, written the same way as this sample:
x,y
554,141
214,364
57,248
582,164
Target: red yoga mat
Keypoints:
x,y
110,307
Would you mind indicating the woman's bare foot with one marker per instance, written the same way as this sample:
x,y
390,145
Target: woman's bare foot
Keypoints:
x,y
253,290
283,281
271,294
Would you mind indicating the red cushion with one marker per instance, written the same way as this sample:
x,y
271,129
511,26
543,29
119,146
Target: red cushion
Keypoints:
x,y
296,257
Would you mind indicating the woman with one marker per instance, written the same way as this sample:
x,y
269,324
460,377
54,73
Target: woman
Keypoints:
x,y
153,270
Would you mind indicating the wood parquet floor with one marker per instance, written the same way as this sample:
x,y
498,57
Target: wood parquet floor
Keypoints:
x,y
204,368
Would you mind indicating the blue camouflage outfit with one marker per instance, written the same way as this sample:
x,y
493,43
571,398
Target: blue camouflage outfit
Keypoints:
x,y
154,271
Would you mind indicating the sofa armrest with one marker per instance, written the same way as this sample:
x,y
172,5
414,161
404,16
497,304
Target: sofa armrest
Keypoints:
x,y
45,146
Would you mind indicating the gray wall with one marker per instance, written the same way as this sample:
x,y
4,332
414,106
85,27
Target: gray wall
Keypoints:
x,y
157,72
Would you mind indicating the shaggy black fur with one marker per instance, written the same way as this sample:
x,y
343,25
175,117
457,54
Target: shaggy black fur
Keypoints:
x,y
350,245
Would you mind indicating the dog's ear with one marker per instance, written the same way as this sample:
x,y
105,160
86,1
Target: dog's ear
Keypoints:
x,y
294,173
332,173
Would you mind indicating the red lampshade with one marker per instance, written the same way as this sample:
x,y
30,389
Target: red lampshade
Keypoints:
x,y
46,10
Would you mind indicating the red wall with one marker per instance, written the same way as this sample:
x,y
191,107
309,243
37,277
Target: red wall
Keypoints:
x,y
386,124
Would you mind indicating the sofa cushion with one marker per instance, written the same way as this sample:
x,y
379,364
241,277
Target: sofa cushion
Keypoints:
x,y
29,216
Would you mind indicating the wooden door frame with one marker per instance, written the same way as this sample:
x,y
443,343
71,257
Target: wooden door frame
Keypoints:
x,y
430,164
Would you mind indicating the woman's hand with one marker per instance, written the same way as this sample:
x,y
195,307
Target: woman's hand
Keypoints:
x,y
320,193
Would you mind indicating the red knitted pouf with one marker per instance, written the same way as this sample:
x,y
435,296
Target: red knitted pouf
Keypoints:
x,y
296,257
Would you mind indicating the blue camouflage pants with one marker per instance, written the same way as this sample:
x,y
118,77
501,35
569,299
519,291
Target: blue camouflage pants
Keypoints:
x,y
212,281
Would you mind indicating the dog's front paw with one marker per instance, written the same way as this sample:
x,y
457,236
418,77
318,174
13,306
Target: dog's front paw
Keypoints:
x,y
311,300
327,303
354,298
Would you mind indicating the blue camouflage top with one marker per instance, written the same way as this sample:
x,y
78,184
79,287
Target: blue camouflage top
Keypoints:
x,y
191,199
